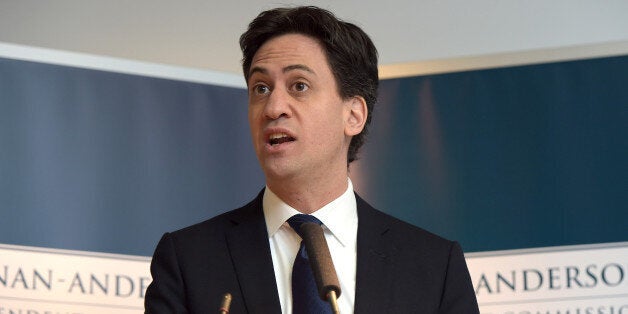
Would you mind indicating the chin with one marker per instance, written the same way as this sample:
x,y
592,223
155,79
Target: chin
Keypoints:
x,y
276,171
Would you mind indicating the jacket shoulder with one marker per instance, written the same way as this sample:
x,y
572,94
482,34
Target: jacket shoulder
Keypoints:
x,y
215,227
403,230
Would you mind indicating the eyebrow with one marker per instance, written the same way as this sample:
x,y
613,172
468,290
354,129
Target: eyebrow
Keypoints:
x,y
284,70
298,67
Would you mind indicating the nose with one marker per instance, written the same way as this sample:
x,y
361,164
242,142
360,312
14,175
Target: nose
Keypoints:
x,y
278,105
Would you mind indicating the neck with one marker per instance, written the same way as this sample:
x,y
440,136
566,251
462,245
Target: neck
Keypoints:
x,y
307,195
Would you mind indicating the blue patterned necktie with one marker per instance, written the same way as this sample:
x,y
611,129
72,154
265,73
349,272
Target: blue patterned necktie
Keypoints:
x,y
305,297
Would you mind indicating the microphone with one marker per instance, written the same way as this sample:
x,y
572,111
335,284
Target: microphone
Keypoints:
x,y
225,304
321,263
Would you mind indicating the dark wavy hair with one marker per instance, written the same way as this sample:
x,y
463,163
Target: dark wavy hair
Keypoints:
x,y
350,52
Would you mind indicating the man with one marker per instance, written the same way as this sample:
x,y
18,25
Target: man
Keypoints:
x,y
312,83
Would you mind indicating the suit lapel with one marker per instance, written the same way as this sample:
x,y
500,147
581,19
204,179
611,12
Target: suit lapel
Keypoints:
x,y
250,252
375,262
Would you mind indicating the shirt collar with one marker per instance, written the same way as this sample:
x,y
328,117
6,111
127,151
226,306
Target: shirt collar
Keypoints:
x,y
340,216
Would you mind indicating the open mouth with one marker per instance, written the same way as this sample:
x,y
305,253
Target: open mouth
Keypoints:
x,y
279,138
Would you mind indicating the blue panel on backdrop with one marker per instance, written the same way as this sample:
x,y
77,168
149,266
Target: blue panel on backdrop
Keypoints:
x,y
505,158
517,157
101,161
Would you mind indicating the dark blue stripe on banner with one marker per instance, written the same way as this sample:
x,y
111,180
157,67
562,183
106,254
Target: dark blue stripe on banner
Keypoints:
x,y
518,157
102,161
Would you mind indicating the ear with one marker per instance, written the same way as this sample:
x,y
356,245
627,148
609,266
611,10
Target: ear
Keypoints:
x,y
356,113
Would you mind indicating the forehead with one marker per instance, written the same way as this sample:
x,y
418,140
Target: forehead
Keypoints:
x,y
290,49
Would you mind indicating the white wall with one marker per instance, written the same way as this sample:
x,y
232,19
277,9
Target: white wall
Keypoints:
x,y
204,34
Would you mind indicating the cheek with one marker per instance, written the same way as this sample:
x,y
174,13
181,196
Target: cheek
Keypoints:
x,y
252,115
253,125
328,126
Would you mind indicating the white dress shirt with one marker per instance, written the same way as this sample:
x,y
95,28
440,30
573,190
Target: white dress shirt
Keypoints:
x,y
340,224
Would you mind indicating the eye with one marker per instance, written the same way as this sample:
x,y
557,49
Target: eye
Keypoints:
x,y
300,87
261,89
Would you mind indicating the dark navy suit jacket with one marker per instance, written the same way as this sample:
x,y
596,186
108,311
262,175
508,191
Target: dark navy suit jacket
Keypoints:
x,y
400,268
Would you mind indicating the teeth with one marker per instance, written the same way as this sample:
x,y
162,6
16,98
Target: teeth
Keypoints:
x,y
278,136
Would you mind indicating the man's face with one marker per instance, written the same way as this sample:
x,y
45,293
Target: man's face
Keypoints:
x,y
297,118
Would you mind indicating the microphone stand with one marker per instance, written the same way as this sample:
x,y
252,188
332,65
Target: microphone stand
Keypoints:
x,y
333,301
321,264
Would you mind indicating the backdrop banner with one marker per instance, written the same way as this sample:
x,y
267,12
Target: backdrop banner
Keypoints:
x,y
584,279
45,281
581,279
525,164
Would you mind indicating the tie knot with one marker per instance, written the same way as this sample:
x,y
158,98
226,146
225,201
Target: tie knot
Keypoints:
x,y
297,220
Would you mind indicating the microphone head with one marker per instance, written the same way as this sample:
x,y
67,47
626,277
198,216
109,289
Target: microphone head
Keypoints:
x,y
225,304
320,259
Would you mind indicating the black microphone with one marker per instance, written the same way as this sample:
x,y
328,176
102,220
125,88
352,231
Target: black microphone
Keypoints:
x,y
321,263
